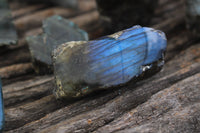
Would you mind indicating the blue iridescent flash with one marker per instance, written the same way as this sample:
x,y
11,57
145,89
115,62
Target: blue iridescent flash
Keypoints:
x,y
1,109
119,57
83,67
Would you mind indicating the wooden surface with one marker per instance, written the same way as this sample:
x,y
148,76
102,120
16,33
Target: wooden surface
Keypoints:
x,y
167,102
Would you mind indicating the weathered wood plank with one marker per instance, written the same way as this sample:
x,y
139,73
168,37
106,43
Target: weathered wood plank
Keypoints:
x,y
111,110
27,10
13,57
133,96
31,107
53,104
15,70
170,44
177,105
28,22
33,88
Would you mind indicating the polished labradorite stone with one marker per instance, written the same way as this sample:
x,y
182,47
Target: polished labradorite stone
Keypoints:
x,y
121,14
8,33
57,30
193,15
82,67
1,109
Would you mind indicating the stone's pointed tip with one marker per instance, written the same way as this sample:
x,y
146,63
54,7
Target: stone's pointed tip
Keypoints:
x,y
58,19
157,43
54,18
56,24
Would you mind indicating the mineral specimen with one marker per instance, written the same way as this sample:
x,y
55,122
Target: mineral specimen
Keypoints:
x,y
1,109
57,30
8,33
121,14
82,67
193,15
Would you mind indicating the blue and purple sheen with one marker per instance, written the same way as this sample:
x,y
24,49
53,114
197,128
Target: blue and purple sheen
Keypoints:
x,y
116,60
1,109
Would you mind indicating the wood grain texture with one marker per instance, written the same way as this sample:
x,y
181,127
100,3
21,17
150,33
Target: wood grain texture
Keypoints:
x,y
166,102
177,105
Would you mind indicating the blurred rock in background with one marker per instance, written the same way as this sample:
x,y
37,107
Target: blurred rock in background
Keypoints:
x,y
8,33
193,15
121,14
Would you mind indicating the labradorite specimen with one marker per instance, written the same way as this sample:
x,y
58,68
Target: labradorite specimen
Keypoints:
x,y
82,67
121,14
193,15
57,30
8,33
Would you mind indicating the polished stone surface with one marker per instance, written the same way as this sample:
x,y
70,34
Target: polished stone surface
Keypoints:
x,y
82,67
